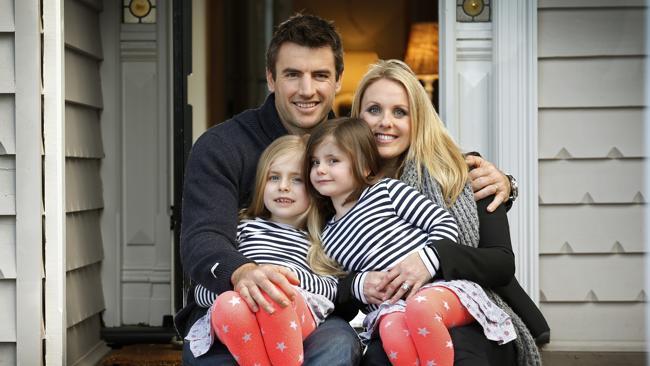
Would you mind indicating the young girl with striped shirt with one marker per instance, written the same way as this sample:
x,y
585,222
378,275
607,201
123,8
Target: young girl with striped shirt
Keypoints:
x,y
364,222
271,232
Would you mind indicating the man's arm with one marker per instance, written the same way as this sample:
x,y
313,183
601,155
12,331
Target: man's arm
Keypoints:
x,y
211,196
210,208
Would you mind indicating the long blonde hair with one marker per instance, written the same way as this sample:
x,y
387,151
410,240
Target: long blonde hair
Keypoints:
x,y
289,144
355,139
431,145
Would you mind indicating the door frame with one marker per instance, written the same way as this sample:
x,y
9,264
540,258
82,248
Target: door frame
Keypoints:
x,y
510,110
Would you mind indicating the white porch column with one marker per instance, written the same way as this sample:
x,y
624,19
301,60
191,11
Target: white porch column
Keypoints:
x,y
54,175
488,100
515,92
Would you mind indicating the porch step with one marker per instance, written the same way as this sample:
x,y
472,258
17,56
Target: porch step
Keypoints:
x,y
564,358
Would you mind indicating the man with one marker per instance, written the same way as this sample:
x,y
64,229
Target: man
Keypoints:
x,y
304,69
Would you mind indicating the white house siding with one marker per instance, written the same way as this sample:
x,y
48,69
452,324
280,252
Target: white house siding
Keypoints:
x,y
8,256
591,161
84,203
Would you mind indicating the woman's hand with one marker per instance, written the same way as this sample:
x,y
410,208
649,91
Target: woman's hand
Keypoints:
x,y
410,271
370,284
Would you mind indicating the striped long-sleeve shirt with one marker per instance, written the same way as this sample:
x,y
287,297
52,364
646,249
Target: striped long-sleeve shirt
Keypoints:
x,y
268,242
389,221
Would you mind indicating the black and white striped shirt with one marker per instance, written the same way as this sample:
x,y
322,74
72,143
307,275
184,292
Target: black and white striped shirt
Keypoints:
x,y
389,221
268,242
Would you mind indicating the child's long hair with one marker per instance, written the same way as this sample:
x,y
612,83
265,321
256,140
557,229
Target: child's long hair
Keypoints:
x,y
431,145
356,140
289,144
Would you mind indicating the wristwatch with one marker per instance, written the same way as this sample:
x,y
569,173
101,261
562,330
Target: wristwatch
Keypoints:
x,y
514,188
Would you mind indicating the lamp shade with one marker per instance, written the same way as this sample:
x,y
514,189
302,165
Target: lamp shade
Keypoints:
x,y
422,50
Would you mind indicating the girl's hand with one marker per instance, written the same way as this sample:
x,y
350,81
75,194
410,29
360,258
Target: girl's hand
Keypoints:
x,y
410,271
372,280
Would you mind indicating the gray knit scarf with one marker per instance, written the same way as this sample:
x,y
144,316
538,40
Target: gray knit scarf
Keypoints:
x,y
465,212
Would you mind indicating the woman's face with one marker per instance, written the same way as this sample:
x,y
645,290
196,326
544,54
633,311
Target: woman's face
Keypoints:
x,y
385,108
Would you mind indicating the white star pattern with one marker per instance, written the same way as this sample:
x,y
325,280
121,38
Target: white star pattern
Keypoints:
x,y
445,304
303,317
406,332
224,328
247,337
293,325
432,363
301,358
420,298
388,324
235,301
281,346
423,332
393,355
438,317
449,344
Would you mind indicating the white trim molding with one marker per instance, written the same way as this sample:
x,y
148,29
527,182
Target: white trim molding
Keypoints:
x,y
515,132
29,221
54,175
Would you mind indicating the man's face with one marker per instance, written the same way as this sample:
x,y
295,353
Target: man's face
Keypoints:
x,y
305,84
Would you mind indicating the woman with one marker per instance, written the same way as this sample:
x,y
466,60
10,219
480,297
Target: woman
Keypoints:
x,y
418,150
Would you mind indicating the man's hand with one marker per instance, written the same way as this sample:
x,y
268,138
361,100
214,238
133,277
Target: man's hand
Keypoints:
x,y
488,180
412,271
250,280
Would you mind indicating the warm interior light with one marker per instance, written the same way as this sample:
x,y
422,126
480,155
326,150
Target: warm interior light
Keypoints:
x,y
422,53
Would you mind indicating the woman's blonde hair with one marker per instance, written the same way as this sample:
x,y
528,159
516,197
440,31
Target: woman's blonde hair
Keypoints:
x,y
285,145
357,141
431,145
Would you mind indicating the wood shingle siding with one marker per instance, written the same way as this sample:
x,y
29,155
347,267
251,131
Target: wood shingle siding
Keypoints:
x,y
597,181
7,248
8,272
82,83
84,189
596,326
591,32
591,82
591,166
83,339
611,132
603,229
83,133
8,313
84,240
83,185
84,293
8,123
7,16
7,72
82,34
7,185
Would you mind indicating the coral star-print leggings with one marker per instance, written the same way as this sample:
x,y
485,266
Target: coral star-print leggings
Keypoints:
x,y
260,338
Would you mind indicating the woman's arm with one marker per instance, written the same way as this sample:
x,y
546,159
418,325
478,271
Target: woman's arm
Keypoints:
x,y
492,263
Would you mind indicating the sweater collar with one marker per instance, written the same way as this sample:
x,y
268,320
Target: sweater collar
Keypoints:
x,y
271,124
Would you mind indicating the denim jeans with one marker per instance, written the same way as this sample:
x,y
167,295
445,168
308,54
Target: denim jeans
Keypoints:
x,y
333,343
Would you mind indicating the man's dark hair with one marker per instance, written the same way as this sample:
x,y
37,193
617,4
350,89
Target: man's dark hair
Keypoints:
x,y
307,31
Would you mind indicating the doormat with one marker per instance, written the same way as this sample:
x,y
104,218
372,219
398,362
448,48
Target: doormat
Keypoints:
x,y
144,355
